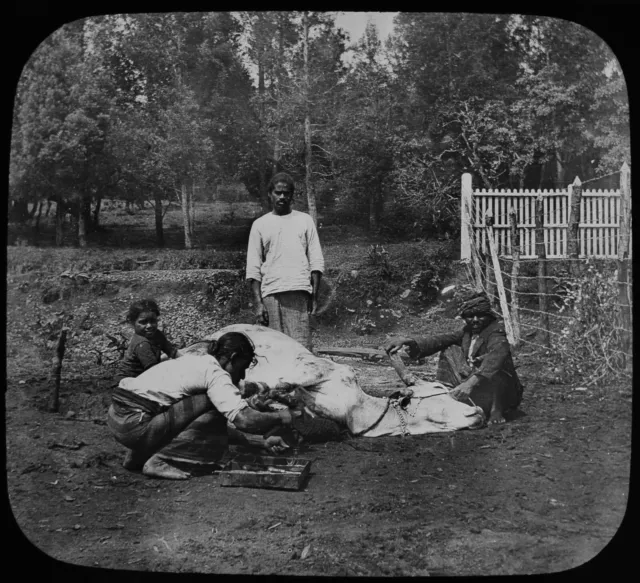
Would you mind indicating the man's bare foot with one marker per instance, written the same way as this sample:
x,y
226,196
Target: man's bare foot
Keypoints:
x,y
496,418
156,468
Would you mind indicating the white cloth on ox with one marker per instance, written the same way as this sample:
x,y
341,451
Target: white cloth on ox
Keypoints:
x,y
332,389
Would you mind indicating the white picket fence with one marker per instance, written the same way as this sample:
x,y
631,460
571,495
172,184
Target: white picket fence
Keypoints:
x,y
598,223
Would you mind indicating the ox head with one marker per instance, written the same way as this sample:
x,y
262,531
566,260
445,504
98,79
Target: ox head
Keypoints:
x,y
441,412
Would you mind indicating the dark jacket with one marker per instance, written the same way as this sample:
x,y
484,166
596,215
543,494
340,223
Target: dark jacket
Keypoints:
x,y
491,352
143,353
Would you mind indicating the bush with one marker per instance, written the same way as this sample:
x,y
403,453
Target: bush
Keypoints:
x,y
362,295
588,345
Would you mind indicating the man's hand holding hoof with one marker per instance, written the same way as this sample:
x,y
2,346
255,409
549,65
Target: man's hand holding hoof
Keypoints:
x,y
463,391
396,344
156,468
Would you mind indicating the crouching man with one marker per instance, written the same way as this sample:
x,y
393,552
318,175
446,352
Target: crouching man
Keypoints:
x,y
149,411
476,360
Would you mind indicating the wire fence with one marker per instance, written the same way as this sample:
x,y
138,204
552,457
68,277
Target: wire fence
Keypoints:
x,y
583,323
558,266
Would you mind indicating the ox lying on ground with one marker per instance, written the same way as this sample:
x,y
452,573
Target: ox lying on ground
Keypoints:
x,y
331,390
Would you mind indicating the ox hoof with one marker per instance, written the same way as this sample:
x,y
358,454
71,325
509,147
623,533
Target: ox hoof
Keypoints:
x,y
156,468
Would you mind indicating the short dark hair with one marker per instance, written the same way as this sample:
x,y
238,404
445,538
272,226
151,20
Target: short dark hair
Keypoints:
x,y
232,342
139,306
281,177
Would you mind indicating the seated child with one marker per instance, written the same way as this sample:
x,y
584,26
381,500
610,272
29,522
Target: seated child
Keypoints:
x,y
147,342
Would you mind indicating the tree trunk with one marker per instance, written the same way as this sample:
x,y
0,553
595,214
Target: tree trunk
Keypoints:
x,y
157,199
73,211
35,225
85,206
262,155
277,146
60,212
19,211
96,213
542,167
184,199
82,222
48,208
311,195
277,152
559,170
192,210
373,210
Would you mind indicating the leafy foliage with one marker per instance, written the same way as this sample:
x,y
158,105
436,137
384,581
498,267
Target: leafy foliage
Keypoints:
x,y
159,106
588,345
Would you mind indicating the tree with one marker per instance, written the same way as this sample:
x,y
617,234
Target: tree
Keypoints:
x,y
60,128
367,116
183,101
611,132
563,70
440,58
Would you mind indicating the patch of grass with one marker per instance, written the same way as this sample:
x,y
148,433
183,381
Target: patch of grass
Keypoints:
x,y
26,259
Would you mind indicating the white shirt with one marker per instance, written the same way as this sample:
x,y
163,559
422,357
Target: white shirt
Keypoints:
x,y
283,250
474,339
173,380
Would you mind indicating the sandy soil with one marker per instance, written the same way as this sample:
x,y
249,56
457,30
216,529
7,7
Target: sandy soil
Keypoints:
x,y
543,493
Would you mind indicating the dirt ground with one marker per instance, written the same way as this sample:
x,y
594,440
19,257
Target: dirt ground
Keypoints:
x,y
543,493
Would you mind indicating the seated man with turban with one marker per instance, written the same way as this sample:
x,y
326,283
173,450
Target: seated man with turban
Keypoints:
x,y
475,360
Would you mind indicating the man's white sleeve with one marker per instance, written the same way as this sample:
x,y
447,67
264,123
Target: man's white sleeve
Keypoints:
x,y
254,255
224,395
314,251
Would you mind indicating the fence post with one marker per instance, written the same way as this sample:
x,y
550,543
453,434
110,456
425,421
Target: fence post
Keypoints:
x,y
466,228
54,397
468,248
574,227
515,271
498,275
541,252
489,280
624,291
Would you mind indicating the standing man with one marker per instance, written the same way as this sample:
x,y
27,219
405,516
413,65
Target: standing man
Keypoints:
x,y
285,264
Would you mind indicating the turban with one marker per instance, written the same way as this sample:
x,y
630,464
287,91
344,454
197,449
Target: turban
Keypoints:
x,y
477,305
